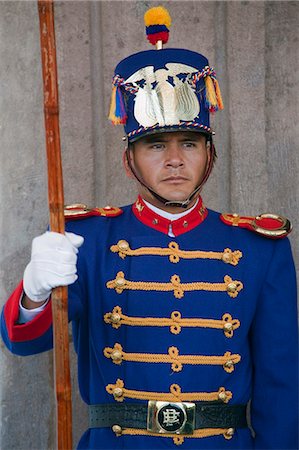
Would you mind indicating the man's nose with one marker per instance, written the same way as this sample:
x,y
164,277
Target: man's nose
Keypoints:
x,y
174,155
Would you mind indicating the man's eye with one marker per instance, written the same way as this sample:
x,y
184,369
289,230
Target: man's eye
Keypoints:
x,y
189,144
157,146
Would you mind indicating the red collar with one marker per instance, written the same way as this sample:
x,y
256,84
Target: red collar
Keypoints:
x,y
179,226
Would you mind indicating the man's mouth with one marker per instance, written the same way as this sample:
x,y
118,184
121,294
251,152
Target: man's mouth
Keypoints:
x,y
175,179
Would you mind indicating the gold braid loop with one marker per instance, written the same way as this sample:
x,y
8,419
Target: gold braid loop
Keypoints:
x,y
232,287
224,395
231,257
116,318
231,360
175,394
176,391
115,353
117,390
176,327
174,253
174,256
174,357
177,289
229,325
227,361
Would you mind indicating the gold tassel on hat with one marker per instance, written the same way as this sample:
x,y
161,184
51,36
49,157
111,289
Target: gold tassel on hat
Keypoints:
x,y
218,94
213,94
117,111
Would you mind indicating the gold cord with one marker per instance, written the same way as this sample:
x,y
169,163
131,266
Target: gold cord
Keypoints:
x,y
175,394
179,439
232,287
116,318
175,253
227,361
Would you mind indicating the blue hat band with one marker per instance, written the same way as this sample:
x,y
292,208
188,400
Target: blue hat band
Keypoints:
x,y
182,126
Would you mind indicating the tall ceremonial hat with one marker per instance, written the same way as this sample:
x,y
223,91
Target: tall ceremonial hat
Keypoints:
x,y
163,89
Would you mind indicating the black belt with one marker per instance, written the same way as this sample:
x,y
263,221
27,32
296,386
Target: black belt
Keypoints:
x,y
134,415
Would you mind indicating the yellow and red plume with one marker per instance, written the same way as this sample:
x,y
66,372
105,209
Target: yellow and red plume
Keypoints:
x,y
157,22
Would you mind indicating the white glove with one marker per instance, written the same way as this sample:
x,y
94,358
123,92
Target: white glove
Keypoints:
x,y
53,263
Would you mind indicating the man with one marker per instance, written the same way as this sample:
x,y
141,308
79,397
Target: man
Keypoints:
x,y
179,319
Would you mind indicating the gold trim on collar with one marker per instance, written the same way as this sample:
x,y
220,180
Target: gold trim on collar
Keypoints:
x,y
232,287
139,206
175,394
227,361
175,253
116,318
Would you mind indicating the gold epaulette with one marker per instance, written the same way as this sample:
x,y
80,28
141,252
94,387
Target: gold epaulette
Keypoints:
x,y
268,225
81,211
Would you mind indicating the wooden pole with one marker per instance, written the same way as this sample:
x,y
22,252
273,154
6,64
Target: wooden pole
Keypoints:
x,y
56,209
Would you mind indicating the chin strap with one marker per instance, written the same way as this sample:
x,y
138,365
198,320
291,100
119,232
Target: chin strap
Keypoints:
x,y
176,203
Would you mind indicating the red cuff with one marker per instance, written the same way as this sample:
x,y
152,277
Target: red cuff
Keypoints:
x,y
27,331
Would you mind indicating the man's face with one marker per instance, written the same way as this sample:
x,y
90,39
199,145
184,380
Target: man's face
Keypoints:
x,y
171,164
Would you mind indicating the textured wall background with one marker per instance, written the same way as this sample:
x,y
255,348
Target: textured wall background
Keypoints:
x,y
254,48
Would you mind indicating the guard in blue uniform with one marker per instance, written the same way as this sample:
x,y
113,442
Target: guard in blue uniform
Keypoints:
x,y
184,325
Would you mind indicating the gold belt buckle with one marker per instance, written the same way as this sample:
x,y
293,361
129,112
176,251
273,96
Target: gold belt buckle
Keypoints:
x,y
171,417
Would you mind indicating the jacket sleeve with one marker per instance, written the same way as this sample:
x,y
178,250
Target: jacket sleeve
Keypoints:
x,y
274,345
32,337
35,336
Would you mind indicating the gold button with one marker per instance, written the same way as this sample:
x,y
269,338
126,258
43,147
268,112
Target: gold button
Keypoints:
x,y
120,281
117,429
116,355
230,432
226,257
228,326
229,364
236,219
231,287
222,396
123,245
155,221
185,224
117,392
115,318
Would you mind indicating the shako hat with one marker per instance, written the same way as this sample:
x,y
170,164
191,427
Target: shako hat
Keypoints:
x,y
163,89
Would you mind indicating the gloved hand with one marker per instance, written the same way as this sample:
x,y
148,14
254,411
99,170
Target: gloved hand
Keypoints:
x,y
53,263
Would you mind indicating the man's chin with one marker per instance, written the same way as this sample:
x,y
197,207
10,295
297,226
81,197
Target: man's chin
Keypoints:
x,y
178,195
175,195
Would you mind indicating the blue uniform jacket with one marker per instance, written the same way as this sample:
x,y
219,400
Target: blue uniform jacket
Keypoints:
x,y
207,315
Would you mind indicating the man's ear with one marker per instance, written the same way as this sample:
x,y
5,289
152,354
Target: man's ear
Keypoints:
x,y
209,149
126,155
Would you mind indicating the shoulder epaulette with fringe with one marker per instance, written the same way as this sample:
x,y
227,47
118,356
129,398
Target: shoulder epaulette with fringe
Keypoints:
x,y
269,225
81,211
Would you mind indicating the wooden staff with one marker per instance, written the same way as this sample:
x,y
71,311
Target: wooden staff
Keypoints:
x,y
56,209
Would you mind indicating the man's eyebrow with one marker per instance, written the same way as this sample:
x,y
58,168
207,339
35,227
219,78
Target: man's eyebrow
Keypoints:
x,y
154,138
191,137
162,138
